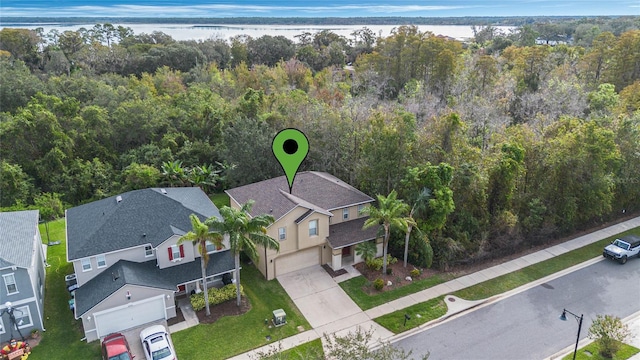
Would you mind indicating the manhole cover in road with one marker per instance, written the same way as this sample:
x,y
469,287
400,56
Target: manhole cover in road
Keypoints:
x,y
547,286
451,299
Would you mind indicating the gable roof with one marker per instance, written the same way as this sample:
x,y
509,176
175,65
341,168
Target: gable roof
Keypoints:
x,y
147,274
350,232
318,191
18,231
147,216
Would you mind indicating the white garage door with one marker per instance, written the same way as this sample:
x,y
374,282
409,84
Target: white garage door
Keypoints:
x,y
297,261
129,316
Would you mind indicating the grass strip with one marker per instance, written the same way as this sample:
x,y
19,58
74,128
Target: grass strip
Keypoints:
x,y
61,340
590,352
511,280
419,314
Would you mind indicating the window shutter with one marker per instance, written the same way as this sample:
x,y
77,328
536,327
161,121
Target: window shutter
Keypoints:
x,y
181,251
170,254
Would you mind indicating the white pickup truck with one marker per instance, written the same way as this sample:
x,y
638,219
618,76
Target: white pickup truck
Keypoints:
x,y
623,248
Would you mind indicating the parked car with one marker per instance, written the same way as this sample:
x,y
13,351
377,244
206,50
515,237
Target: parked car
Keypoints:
x,y
623,248
156,343
116,347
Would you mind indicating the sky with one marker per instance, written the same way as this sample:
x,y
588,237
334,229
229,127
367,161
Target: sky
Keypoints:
x,y
314,8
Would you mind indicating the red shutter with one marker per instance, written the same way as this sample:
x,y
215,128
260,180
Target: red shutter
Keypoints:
x,y
181,251
170,254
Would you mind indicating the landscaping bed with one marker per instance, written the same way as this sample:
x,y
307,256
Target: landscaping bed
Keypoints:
x,y
398,276
227,308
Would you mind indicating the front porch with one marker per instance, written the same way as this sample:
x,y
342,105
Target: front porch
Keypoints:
x,y
343,239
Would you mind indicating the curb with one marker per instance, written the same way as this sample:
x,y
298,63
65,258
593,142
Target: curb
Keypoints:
x,y
490,300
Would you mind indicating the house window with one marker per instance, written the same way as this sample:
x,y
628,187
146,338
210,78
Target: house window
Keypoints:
x,y
211,247
101,260
40,285
313,227
282,233
10,283
23,317
345,214
86,264
176,252
360,208
148,251
2,331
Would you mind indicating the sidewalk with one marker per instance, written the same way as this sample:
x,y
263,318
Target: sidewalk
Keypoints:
x,y
365,318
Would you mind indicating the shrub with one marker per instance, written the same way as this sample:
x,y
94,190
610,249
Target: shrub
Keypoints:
x,y
608,332
378,284
216,296
415,273
376,264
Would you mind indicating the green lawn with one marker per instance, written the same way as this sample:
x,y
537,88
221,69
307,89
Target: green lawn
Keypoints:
x,y
508,281
590,352
419,313
233,335
61,340
307,351
355,289
220,200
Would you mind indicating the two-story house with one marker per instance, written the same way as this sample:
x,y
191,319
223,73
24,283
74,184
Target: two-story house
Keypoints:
x,y
319,222
127,260
22,274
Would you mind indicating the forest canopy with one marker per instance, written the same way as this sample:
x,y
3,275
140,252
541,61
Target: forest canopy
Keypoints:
x,y
538,129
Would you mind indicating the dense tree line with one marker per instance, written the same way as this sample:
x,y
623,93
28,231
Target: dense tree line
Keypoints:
x,y
516,142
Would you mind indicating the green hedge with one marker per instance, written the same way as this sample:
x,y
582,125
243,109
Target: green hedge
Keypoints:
x,y
216,296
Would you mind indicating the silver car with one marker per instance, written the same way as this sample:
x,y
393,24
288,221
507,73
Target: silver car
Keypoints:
x,y
156,343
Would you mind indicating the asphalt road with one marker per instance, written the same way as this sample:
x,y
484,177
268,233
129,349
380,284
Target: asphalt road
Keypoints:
x,y
527,325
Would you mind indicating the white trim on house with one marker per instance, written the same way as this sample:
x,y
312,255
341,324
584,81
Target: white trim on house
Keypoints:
x,y
14,283
104,261
354,204
28,314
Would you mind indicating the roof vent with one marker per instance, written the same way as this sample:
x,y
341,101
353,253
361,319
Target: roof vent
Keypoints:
x,y
115,276
163,191
118,199
270,210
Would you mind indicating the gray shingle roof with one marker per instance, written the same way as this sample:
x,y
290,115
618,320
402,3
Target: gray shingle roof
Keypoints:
x,y
350,233
108,225
17,231
146,274
315,189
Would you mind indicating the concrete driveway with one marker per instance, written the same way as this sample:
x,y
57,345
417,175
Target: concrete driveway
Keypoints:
x,y
324,304
133,338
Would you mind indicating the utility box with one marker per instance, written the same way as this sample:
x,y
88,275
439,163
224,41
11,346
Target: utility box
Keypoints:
x,y
279,317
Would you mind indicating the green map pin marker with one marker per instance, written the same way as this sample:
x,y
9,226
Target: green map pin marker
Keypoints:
x,y
290,147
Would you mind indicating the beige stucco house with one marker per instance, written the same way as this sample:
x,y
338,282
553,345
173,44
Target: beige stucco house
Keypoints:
x,y
318,223
128,264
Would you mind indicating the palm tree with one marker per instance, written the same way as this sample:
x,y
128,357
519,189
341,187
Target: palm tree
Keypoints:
x,y
390,212
420,204
174,173
245,234
200,235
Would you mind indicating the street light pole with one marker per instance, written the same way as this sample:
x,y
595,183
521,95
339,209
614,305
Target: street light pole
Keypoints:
x,y
579,319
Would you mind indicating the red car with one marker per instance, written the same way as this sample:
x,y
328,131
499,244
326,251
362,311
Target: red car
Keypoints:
x,y
116,347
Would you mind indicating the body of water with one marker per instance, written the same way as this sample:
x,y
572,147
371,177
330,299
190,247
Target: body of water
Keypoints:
x,y
207,31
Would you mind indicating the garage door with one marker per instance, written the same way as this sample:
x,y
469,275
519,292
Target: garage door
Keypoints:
x,y
129,316
297,261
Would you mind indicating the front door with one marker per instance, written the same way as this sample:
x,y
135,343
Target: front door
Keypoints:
x,y
346,251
